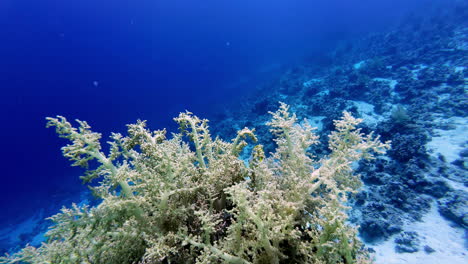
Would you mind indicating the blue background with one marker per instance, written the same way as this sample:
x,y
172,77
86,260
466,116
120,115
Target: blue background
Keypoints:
x,y
150,60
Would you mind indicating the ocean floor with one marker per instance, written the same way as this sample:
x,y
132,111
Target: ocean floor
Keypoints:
x,y
448,243
440,241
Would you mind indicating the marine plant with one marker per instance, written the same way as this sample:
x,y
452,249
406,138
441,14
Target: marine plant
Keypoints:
x,y
191,199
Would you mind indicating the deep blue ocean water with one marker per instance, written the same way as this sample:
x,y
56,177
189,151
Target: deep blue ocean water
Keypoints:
x,y
113,62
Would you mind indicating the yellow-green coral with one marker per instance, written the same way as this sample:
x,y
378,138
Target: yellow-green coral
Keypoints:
x,y
191,199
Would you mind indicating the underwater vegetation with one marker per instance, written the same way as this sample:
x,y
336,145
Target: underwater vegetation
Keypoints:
x,y
191,198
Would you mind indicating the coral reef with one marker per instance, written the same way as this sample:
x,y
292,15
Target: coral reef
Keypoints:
x,y
412,80
191,199
407,242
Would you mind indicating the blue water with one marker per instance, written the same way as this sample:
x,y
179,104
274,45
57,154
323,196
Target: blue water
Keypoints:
x,y
113,62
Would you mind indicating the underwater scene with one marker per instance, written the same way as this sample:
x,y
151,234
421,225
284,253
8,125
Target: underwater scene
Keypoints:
x,y
247,131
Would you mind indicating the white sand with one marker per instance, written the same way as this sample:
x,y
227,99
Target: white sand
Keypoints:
x,y
367,113
435,232
449,143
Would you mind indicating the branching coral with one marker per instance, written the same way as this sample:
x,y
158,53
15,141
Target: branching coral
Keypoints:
x,y
191,199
